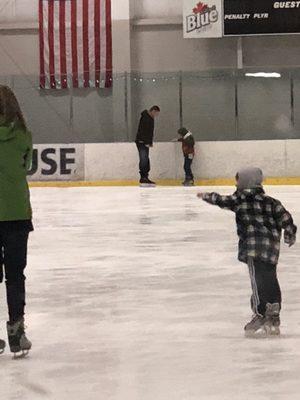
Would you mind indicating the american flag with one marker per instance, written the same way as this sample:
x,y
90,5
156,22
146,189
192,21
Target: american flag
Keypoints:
x,y
75,43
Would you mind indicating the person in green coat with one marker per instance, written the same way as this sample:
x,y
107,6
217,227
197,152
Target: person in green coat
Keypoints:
x,y
15,215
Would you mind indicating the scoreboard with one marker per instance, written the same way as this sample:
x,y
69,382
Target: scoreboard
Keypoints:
x,y
261,17
219,18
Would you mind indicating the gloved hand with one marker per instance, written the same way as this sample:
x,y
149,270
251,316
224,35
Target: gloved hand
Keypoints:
x,y
289,239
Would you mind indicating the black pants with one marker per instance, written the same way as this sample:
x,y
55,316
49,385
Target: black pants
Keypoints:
x,y
144,160
265,285
188,168
13,256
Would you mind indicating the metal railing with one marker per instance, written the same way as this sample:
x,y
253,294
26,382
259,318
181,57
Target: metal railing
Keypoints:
x,y
216,105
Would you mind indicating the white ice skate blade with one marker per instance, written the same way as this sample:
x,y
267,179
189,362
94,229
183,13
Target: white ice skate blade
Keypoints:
x,y
259,334
262,334
147,185
272,331
20,355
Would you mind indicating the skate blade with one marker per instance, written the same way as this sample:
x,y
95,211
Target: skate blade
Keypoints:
x,y
259,334
263,333
20,355
147,185
272,331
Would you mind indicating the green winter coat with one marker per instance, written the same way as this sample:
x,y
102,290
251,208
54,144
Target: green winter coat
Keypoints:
x,y
15,160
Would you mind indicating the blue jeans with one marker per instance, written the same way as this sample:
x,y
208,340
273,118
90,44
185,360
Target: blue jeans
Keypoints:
x,y
144,160
187,168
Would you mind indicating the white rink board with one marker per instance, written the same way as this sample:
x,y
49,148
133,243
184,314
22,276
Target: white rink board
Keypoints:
x,y
136,294
277,158
57,162
119,161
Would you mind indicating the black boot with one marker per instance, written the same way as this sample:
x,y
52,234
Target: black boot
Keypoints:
x,y
17,339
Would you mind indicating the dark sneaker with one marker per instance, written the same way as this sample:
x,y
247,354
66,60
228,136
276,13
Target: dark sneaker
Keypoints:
x,y
145,182
188,182
17,339
272,322
255,328
151,182
2,346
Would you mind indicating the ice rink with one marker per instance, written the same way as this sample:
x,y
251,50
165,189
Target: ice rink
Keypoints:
x,y
137,294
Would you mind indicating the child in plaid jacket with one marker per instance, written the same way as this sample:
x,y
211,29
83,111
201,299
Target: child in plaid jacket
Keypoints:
x,y
260,220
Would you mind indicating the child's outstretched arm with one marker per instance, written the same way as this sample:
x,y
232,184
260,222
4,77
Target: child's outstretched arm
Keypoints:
x,y
227,202
285,221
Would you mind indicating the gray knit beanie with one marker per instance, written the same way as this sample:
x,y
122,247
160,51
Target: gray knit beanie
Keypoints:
x,y
182,131
249,178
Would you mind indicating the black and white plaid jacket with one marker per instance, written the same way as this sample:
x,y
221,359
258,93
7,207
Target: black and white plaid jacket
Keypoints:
x,y
260,220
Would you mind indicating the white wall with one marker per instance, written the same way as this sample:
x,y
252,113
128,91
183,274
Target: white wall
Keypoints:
x,y
156,8
18,10
157,49
19,54
27,10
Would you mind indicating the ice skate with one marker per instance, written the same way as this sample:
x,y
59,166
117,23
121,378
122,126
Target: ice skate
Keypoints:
x,y
188,182
2,346
145,182
256,327
18,342
272,322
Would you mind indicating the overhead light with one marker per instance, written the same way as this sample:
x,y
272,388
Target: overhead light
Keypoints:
x,y
264,74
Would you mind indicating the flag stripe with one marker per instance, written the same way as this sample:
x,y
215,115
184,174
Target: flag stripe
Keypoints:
x,y
102,42
56,39
74,43
42,59
62,40
69,44
80,41
46,45
91,33
108,45
97,42
85,40
51,43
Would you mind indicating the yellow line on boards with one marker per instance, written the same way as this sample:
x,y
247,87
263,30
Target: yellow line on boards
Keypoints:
x,y
164,182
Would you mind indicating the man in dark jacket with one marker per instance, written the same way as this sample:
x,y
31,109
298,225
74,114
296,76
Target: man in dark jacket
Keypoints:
x,y
144,140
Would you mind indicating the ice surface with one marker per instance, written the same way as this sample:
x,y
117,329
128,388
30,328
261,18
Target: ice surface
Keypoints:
x,y
136,294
